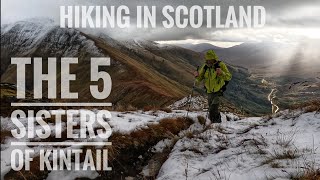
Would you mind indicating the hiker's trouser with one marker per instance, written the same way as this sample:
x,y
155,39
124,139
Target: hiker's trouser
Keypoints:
x,y
214,100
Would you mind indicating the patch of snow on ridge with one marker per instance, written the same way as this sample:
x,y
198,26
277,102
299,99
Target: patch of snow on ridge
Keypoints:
x,y
195,103
29,24
30,31
251,148
43,35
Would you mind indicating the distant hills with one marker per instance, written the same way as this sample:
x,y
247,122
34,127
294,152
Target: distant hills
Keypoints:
x,y
271,59
199,47
292,69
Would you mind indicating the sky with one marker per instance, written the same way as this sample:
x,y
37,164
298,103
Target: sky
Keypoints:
x,y
287,21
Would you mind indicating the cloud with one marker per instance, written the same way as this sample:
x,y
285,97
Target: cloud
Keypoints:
x,y
284,18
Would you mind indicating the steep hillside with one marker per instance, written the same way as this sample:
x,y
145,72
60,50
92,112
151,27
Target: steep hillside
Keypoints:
x,y
131,79
178,63
143,73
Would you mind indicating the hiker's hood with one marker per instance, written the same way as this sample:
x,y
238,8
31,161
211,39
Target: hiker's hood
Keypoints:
x,y
211,55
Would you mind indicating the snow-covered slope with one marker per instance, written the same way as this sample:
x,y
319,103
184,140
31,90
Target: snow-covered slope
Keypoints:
x,y
192,103
26,37
251,148
284,147
123,122
42,38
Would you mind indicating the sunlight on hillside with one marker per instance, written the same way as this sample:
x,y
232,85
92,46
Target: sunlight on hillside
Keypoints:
x,y
223,44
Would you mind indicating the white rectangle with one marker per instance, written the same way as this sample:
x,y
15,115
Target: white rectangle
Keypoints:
x,y
61,143
61,104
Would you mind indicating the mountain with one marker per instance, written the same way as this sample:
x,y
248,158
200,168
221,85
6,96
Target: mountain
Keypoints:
x,y
131,78
273,59
143,73
270,59
199,47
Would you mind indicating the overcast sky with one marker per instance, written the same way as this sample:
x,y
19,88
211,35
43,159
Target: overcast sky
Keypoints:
x,y
288,21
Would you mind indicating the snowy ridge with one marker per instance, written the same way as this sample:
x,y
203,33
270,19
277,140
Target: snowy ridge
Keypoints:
x,y
123,122
28,33
195,103
251,148
25,37
139,44
37,24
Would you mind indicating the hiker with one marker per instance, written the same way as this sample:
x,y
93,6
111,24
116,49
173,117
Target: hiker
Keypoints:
x,y
216,76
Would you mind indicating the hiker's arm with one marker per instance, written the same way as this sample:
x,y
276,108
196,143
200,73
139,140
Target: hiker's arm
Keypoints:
x,y
201,75
225,74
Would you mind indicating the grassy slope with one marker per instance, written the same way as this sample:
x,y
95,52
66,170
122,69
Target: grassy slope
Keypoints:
x,y
143,75
146,79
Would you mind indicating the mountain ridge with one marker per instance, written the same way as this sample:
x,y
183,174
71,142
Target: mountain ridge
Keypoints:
x,y
143,73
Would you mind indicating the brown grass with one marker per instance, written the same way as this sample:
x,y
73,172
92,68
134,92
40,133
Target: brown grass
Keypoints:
x,y
254,142
275,165
309,106
280,155
148,108
34,173
124,152
126,148
167,110
309,174
309,171
202,120
4,134
155,108
189,134
193,149
287,154
123,108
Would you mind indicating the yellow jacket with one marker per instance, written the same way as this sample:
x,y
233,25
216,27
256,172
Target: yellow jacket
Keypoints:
x,y
212,82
